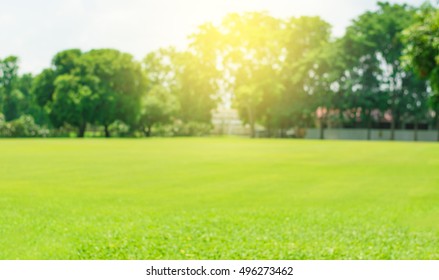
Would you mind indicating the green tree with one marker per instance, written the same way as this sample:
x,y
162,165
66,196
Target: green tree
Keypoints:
x,y
159,104
197,88
16,97
361,87
43,87
66,91
97,87
421,41
320,76
29,105
305,71
158,108
10,96
121,84
74,102
250,51
376,37
185,76
259,59
421,50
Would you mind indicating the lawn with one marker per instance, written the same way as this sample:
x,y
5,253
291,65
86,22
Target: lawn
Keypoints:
x,y
218,198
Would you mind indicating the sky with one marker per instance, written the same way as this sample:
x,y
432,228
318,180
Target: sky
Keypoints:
x,y
35,30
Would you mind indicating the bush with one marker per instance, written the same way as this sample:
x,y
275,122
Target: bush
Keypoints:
x,y
5,127
191,129
119,129
24,126
64,131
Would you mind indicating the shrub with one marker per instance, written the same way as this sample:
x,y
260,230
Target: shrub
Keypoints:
x,y
24,126
191,129
119,129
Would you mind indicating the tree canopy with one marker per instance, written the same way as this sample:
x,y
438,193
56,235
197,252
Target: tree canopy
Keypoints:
x,y
278,73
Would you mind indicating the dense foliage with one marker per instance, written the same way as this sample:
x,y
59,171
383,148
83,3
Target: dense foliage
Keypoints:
x,y
279,74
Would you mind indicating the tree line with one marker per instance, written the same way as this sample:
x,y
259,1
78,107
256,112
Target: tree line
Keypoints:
x,y
280,74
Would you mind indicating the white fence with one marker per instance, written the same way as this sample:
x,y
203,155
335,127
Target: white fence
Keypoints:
x,y
376,134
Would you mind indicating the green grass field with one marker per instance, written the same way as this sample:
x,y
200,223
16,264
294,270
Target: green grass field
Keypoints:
x,y
218,198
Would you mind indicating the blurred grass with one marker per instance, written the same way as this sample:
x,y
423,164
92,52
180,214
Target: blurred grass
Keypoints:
x,y
218,198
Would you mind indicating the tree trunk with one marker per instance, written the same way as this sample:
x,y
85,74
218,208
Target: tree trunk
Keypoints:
x,y
251,122
81,131
107,131
369,125
252,130
438,127
322,129
393,123
415,132
392,127
147,131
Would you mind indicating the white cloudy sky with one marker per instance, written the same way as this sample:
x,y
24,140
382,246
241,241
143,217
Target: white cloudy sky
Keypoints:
x,y
35,30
